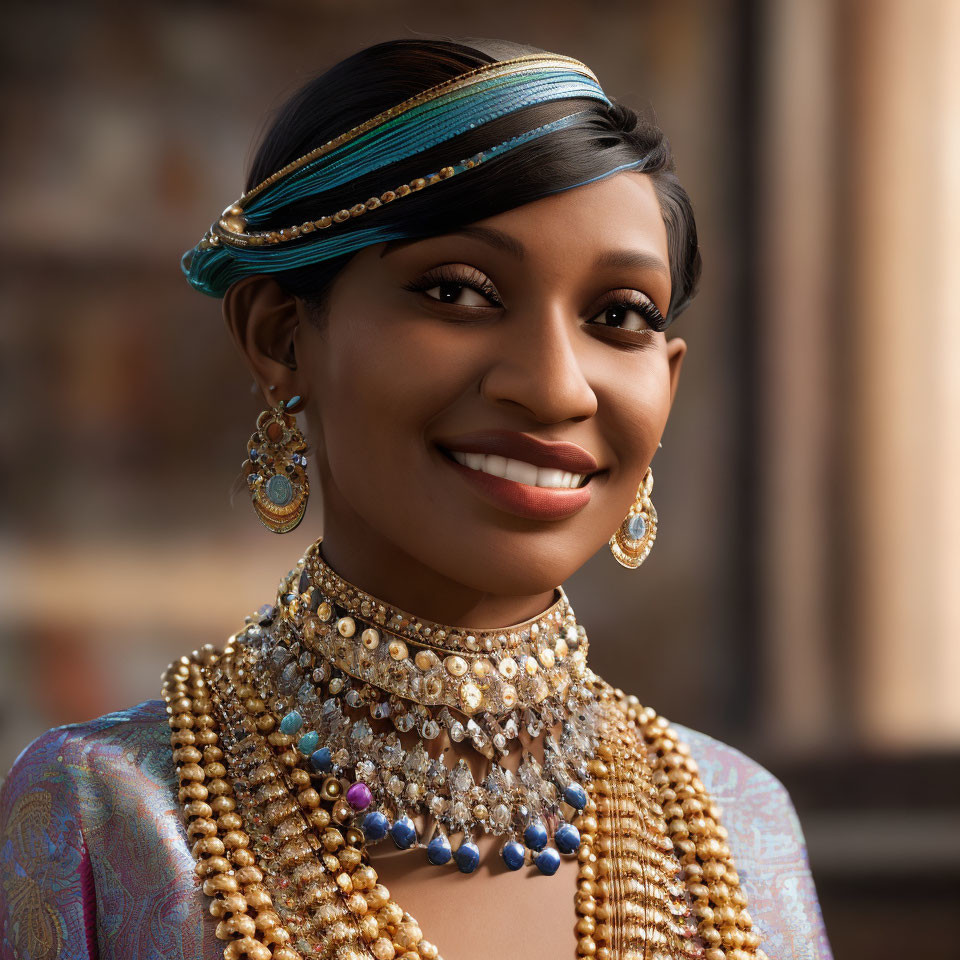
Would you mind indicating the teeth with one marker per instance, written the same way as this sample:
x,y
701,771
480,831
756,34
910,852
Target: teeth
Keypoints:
x,y
519,470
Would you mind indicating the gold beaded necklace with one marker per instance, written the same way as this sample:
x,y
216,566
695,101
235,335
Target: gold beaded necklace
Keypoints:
x,y
289,878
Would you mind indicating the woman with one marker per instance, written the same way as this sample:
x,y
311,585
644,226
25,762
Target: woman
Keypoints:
x,y
478,352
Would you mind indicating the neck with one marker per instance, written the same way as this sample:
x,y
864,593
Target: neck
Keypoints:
x,y
365,557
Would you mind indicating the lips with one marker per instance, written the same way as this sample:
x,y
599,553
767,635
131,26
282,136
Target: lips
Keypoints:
x,y
558,454
546,461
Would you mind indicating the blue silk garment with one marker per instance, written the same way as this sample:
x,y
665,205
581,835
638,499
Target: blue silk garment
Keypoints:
x,y
96,863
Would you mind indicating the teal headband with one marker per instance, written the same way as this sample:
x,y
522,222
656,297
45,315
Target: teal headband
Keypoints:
x,y
241,244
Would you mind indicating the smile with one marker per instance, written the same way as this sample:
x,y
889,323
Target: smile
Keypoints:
x,y
519,471
521,474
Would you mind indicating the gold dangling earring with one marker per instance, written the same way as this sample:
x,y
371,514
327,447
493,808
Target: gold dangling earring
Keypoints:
x,y
276,469
634,537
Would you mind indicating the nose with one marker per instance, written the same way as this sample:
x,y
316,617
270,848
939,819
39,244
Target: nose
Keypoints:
x,y
537,368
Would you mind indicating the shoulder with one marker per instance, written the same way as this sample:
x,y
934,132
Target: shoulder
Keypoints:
x,y
67,757
768,847
90,837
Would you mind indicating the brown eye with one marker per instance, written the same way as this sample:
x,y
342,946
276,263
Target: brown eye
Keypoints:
x,y
460,286
451,292
636,313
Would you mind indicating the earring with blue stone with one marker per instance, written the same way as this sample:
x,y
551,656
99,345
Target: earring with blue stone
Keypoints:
x,y
634,537
276,468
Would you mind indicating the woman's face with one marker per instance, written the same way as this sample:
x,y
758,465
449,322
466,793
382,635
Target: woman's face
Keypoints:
x,y
487,401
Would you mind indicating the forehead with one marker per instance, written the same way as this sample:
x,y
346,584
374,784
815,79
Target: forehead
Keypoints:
x,y
621,210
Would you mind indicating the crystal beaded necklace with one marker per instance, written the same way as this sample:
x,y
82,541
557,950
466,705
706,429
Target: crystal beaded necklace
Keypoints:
x,y
291,760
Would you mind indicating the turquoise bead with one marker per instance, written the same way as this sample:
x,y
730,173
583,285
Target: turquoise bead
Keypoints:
x,y
291,723
308,743
279,490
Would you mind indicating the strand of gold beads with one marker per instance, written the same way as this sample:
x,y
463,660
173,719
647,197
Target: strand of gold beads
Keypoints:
x,y
352,914
628,856
221,846
631,904
700,841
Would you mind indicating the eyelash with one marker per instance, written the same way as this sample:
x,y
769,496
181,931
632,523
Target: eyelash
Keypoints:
x,y
476,281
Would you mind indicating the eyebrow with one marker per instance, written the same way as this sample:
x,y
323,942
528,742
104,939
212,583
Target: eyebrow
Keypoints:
x,y
628,259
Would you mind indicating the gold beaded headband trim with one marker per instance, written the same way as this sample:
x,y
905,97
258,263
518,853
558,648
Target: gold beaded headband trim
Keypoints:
x,y
241,242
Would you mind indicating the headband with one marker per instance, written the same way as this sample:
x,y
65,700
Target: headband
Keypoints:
x,y
240,243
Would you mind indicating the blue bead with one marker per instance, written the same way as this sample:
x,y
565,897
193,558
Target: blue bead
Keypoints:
x,y
575,795
292,401
637,527
291,723
251,477
547,861
567,838
254,454
467,857
404,833
308,743
438,850
320,760
375,826
535,836
513,854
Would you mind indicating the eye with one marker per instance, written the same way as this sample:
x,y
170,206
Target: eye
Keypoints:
x,y
630,310
457,285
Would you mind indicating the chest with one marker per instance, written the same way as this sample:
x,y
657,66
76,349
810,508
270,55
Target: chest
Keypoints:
x,y
492,912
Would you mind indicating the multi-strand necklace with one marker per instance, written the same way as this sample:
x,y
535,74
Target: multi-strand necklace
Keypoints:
x,y
311,737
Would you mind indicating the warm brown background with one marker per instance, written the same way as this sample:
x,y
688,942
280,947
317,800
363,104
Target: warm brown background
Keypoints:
x,y
803,598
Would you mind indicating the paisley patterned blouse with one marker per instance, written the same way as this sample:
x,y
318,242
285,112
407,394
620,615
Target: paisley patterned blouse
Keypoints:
x,y
95,863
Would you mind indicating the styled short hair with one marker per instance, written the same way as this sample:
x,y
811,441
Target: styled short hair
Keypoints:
x,y
380,76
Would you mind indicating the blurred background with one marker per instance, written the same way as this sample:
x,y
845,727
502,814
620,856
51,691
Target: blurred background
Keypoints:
x,y
803,598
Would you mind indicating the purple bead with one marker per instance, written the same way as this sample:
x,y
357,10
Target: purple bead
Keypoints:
x,y
359,796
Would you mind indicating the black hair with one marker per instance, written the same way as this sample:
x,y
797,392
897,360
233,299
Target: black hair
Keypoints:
x,y
385,74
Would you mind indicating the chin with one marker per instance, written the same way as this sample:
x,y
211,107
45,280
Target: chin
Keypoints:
x,y
511,563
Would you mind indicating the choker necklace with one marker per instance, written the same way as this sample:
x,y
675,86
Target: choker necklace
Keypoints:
x,y
294,754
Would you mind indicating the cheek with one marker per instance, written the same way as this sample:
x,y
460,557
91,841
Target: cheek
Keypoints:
x,y
379,386
636,401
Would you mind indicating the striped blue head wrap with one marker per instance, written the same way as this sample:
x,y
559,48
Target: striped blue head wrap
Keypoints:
x,y
240,243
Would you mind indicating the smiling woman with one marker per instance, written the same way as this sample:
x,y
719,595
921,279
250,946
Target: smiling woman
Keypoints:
x,y
478,350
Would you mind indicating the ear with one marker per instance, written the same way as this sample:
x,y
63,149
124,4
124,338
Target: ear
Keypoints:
x,y
262,319
676,351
